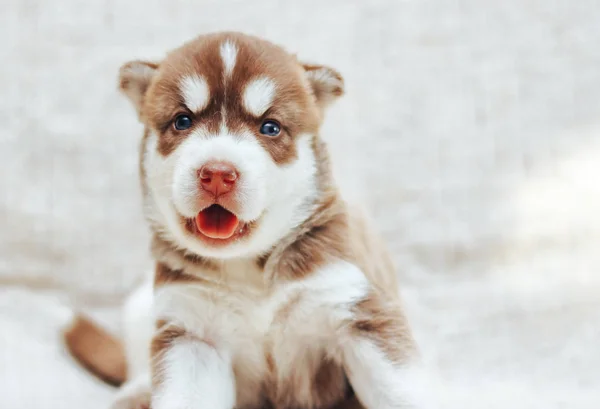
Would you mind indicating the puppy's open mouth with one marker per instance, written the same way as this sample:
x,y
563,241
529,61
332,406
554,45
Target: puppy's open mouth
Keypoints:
x,y
216,224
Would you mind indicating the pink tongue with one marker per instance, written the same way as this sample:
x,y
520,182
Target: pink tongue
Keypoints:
x,y
216,222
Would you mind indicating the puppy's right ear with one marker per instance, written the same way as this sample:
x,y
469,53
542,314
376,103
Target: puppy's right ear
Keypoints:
x,y
134,80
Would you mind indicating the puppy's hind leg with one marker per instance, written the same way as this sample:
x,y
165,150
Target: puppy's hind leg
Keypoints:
x,y
138,329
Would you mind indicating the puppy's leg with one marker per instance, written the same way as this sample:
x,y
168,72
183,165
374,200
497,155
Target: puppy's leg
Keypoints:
x,y
381,360
189,373
372,338
135,394
138,328
378,381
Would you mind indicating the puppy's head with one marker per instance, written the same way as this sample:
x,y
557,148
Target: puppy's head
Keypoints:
x,y
229,159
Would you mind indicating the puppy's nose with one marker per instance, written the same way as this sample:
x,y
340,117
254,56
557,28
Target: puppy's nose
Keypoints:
x,y
217,177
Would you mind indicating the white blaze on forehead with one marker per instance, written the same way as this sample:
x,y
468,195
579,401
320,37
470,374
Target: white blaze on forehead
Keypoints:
x,y
259,95
229,56
195,92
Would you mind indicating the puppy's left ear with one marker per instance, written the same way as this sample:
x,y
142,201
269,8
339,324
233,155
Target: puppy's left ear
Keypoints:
x,y
327,84
134,79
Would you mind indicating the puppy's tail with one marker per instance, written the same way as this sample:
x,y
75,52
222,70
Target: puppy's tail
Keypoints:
x,y
97,350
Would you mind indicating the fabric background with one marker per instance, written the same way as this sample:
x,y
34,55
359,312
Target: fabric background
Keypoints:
x,y
471,129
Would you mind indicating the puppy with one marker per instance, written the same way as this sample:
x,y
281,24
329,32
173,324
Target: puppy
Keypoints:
x,y
269,290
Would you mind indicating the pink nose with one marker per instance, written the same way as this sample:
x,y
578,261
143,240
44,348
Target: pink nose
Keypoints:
x,y
217,177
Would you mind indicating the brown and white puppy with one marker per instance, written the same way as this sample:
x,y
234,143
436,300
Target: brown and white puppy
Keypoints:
x,y
269,292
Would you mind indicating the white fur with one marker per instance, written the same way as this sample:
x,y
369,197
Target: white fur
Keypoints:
x,y
228,53
139,69
236,313
382,384
346,278
276,195
244,301
195,92
244,153
233,320
325,77
195,375
259,95
138,328
334,288
135,393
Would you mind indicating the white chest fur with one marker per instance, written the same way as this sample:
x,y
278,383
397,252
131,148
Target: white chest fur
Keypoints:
x,y
275,335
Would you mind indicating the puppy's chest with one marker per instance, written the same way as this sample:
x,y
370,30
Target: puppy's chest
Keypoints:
x,y
280,340
283,352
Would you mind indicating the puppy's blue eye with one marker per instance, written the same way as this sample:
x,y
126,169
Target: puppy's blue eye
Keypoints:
x,y
183,122
270,128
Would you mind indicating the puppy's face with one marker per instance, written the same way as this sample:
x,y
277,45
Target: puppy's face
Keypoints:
x,y
229,158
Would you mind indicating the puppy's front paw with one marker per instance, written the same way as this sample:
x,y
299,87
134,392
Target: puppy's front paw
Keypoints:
x,y
135,394
137,401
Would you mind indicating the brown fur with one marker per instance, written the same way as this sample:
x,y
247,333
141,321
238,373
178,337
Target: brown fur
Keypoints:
x,y
97,350
319,240
327,387
370,253
164,338
164,275
175,265
380,315
382,320
293,107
